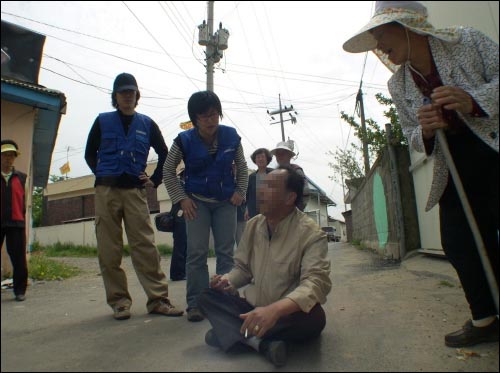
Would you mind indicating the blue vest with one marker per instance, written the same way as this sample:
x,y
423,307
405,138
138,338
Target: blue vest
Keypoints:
x,y
120,153
210,176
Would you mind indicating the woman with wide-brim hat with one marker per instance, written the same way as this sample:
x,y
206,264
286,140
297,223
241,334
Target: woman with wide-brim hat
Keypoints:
x,y
448,79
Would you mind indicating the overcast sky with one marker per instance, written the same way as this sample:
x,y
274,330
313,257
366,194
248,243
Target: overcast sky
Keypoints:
x,y
288,48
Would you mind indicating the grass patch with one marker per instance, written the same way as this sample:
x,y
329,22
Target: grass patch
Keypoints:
x,y
446,283
42,268
67,249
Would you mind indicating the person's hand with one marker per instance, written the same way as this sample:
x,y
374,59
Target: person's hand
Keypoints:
x,y
430,119
236,199
452,98
258,321
189,208
145,179
221,283
247,215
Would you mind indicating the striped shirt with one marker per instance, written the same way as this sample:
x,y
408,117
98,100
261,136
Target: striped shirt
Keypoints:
x,y
176,190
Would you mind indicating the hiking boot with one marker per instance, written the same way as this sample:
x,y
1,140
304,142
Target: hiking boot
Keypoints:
x,y
164,307
274,351
194,314
470,335
20,297
211,339
121,313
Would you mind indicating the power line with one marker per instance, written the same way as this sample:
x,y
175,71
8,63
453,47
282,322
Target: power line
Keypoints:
x,y
161,46
82,33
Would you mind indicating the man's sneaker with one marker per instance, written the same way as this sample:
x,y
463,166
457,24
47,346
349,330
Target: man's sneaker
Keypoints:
x,y
121,313
211,339
164,307
194,314
20,297
275,352
470,335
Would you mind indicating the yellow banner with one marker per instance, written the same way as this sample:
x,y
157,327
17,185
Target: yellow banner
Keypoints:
x,y
65,169
186,125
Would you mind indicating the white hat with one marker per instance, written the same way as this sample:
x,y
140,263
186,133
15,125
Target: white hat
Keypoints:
x,y
410,14
286,145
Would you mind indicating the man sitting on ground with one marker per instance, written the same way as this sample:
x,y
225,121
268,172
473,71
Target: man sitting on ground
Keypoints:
x,y
282,257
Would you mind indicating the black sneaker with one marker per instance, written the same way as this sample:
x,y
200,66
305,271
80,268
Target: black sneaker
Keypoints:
x,y
20,297
194,314
470,335
275,352
211,339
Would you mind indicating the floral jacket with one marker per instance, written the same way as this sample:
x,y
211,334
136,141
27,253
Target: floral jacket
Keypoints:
x,y
471,64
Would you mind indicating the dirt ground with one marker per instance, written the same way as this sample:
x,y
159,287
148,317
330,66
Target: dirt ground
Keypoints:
x,y
381,316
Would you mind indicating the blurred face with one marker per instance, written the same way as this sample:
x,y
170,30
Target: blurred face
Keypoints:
x,y
126,101
261,160
283,157
272,196
8,159
392,41
208,122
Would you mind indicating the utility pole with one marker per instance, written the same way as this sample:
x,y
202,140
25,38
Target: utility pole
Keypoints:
x,y
359,101
215,43
280,111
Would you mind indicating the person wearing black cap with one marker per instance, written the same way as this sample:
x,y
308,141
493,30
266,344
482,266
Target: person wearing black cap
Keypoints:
x,y
13,217
116,152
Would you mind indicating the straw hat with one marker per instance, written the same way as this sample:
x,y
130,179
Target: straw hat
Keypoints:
x,y
410,14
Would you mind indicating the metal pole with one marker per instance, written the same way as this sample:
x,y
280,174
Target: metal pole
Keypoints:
x,y
359,98
470,216
210,47
281,120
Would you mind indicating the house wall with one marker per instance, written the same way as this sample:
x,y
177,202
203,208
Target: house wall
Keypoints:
x,y
18,124
340,230
317,211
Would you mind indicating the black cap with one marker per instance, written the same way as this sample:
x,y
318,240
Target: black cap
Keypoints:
x,y
124,82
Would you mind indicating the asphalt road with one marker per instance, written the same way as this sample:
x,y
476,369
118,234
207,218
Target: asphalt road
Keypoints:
x,y
381,316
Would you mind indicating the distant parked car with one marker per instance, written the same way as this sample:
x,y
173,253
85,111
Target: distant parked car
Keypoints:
x,y
330,233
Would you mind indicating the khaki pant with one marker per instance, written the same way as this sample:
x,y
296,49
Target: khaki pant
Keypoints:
x,y
112,205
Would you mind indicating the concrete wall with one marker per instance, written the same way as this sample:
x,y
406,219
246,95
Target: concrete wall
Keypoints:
x,y
374,210
83,233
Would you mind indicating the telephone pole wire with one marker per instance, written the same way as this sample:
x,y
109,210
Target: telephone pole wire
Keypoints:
x,y
280,111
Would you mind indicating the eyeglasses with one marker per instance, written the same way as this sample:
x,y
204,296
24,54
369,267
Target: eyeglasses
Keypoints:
x,y
207,116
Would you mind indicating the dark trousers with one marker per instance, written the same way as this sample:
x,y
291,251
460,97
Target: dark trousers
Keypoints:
x,y
178,260
16,247
477,165
223,310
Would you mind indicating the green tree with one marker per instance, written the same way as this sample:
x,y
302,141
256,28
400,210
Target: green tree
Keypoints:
x,y
37,201
375,135
37,206
345,164
345,161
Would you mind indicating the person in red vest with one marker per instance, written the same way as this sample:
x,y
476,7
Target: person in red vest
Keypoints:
x,y
13,217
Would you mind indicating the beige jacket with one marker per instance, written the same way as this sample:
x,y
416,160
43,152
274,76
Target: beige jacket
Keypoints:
x,y
292,264
471,64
